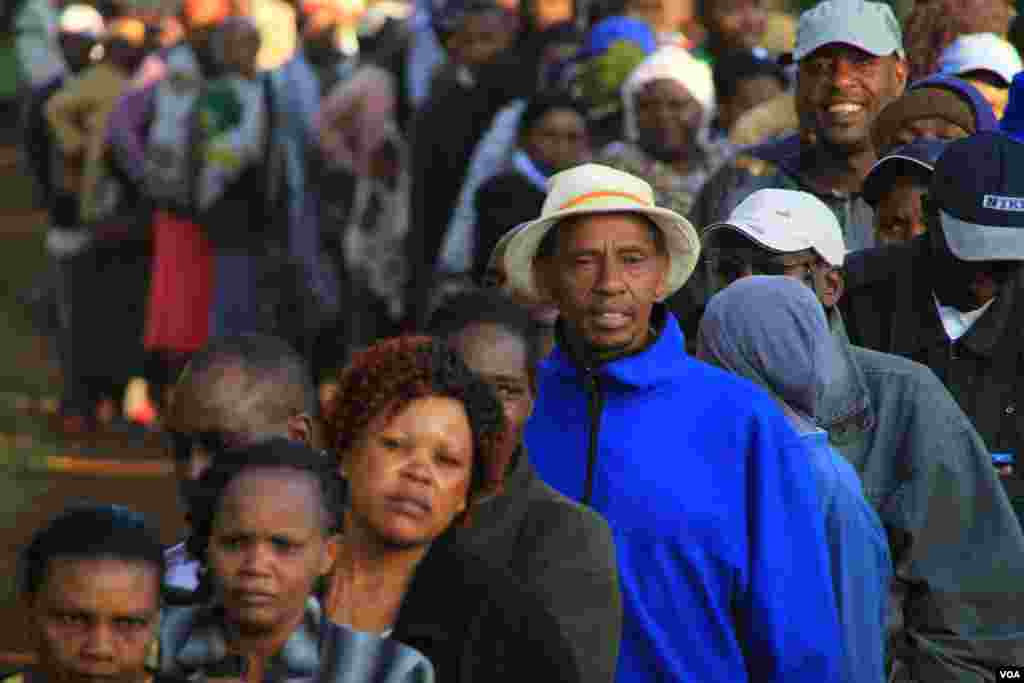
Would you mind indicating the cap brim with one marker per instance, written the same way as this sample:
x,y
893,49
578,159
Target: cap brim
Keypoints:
x,y
842,39
681,240
875,182
973,242
715,229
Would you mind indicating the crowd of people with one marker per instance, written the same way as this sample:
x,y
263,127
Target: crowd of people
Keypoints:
x,y
669,343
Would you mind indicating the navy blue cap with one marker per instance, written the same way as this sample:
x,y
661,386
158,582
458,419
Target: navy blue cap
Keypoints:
x,y
978,187
917,158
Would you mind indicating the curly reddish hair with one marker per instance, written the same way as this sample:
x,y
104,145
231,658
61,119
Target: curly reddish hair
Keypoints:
x,y
933,26
386,377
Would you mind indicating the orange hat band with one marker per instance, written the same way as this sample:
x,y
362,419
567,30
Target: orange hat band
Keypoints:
x,y
591,196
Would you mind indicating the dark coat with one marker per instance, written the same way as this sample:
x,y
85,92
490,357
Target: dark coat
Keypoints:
x,y
445,133
503,202
565,552
475,623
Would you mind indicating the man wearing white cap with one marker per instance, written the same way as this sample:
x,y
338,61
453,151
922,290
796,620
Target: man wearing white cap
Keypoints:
x,y
850,64
917,453
987,62
708,491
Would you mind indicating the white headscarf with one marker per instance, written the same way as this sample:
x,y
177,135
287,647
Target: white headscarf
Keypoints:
x,y
673,63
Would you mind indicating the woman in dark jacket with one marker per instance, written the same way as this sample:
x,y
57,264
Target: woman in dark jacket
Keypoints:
x,y
420,439
552,137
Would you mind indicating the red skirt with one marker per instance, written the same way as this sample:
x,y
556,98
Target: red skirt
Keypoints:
x,y
181,287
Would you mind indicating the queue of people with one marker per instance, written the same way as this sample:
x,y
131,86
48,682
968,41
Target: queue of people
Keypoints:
x,y
613,396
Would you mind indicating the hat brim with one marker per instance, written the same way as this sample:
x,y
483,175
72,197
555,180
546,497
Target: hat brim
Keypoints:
x,y
972,242
681,241
841,38
877,180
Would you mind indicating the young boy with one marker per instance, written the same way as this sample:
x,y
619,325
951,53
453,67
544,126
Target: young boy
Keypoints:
x,y
233,116
90,581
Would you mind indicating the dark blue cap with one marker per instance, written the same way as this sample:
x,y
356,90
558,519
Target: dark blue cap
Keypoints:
x,y
917,158
978,187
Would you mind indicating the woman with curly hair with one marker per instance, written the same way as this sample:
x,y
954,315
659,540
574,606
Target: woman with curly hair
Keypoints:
x,y
420,440
264,530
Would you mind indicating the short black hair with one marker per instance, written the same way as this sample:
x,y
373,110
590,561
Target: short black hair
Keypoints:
x,y
488,307
276,452
269,363
90,531
549,242
542,103
741,65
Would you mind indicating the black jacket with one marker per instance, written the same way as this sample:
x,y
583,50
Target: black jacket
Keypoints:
x,y
889,307
565,552
503,202
476,624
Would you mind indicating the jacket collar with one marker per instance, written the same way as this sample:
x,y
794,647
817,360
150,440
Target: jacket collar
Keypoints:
x,y
663,361
206,646
919,326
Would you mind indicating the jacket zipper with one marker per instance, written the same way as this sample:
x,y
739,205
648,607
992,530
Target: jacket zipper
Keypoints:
x,y
595,405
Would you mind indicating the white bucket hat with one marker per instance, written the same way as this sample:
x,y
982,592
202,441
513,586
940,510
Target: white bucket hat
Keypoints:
x,y
594,189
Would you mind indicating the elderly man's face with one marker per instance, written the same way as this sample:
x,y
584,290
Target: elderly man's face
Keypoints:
x,y
841,90
605,275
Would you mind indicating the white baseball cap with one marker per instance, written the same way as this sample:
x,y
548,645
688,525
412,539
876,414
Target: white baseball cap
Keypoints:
x,y
981,52
82,20
786,221
596,189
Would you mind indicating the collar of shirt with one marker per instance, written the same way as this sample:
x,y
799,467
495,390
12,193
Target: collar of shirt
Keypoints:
x,y
956,322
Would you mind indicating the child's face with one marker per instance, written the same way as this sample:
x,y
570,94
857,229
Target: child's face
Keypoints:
x,y
241,45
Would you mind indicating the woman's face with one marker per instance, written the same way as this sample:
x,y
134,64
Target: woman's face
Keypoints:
x,y
409,477
667,118
268,547
558,140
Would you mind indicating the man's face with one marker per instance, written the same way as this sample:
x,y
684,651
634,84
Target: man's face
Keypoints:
x,y
750,92
664,16
480,39
899,216
737,24
733,257
500,358
558,140
932,128
241,45
213,413
964,285
667,118
77,50
841,89
95,620
605,275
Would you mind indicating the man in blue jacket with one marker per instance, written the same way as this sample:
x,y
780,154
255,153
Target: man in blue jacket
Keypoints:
x,y
707,489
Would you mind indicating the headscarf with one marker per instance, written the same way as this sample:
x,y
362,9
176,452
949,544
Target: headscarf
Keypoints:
x,y
773,332
357,117
674,64
614,48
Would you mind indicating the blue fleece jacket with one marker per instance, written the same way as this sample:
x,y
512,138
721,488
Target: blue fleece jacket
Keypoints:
x,y
713,507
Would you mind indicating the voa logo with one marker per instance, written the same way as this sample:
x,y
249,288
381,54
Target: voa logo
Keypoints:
x,y
1009,674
